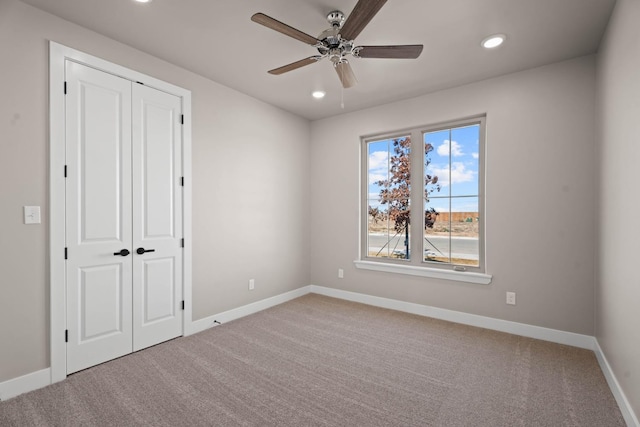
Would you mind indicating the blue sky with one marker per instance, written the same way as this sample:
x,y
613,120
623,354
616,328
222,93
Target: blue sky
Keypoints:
x,y
454,160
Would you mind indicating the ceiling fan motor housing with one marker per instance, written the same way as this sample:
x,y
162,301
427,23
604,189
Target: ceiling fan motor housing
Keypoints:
x,y
330,38
332,44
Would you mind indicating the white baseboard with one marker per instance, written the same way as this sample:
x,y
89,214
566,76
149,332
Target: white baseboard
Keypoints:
x,y
627,412
546,334
236,313
24,384
538,332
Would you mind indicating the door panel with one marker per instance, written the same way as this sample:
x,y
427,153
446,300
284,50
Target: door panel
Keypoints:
x,y
98,216
159,290
100,301
157,141
99,157
157,216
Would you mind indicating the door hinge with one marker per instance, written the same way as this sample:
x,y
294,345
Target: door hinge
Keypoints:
x,y
183,304
182,181
66,335
181,119
140,83
65,171
65,88
65,253
182,242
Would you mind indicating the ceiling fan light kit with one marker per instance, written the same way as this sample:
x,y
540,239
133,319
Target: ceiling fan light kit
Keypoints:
x,y
337,42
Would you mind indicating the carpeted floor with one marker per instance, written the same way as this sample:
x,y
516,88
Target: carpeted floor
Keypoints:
x,y
319,361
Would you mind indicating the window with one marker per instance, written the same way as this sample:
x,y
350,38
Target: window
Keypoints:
x,y
388,197
447,233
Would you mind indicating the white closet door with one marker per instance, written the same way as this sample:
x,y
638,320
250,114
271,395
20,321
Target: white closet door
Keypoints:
x,y
123,216
98,216
157,217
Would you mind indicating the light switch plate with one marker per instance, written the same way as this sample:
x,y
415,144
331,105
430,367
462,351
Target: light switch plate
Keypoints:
x,y
32,214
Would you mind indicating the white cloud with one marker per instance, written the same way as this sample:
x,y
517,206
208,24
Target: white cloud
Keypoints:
x,y
456,149
475,155
378,166
459,174
375,177
378,160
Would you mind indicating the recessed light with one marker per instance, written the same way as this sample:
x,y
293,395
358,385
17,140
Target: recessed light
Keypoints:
x,y
143,1
318,94
493,41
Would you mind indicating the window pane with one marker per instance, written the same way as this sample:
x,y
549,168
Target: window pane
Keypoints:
x,y
465,154
377,232
377,218
384,239
436,193
465,248
388,177
436,231
436,163
378,164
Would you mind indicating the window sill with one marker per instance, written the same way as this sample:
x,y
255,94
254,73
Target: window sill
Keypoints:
x,y
436,273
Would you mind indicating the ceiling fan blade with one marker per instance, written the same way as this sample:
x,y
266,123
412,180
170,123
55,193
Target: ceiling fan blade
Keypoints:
x,y
345,73
409,51
294,65
360,16
283,28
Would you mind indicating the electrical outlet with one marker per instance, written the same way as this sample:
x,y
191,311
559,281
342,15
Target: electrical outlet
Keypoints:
x,y
252,284
340,273
511,298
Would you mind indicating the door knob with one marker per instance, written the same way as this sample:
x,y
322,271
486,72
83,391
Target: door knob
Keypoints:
x,y
123,252
140,251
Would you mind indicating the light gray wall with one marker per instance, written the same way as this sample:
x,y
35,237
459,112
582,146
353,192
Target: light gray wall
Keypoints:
x,y
251,167
618,286
540,204
250,185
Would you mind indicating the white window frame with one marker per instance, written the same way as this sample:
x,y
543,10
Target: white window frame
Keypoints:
x,y
417,266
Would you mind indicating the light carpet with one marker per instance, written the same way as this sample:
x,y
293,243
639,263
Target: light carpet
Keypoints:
x,y
320,361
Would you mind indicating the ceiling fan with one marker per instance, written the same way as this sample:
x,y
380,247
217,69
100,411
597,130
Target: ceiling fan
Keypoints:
x,y
337,42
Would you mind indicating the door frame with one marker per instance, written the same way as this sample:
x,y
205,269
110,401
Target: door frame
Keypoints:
x,y
58,54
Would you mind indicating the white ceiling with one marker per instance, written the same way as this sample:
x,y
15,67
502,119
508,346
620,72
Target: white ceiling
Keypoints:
x,y
217,39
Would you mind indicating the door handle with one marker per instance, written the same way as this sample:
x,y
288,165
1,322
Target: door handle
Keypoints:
x,y
140,251
123,252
